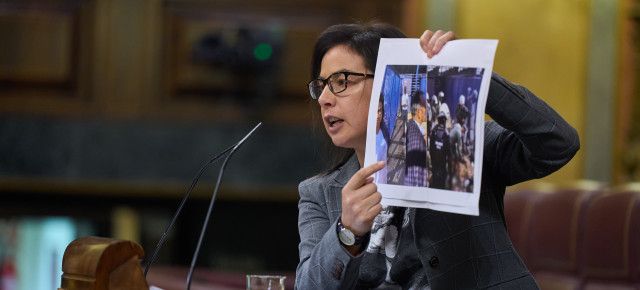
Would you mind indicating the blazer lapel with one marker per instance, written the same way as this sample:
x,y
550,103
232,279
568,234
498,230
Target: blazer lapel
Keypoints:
x,y
346,171
335,185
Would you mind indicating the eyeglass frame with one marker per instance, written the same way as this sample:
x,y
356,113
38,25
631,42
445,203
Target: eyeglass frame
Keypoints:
x,y
326,81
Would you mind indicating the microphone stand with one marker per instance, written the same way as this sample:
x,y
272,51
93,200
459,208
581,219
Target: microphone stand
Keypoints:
x,y
184,200
213,198
228,152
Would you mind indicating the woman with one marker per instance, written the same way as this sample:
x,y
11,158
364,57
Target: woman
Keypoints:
x,y
348,241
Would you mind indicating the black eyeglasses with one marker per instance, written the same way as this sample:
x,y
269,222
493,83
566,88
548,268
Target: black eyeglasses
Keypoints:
x,y
337,83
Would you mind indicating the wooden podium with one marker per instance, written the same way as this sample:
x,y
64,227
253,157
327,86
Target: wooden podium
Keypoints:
x,y
102,264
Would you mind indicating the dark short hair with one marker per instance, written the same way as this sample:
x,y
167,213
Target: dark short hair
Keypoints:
x,y
417,100
418,97
362,39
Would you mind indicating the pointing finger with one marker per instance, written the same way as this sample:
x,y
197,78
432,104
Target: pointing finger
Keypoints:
x,y
364,174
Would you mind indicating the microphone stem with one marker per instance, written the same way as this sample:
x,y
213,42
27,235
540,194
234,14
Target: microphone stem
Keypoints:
x,y
206,220
213,198
184,200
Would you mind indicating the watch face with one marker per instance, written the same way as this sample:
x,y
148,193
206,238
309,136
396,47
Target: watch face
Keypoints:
x,y
347,237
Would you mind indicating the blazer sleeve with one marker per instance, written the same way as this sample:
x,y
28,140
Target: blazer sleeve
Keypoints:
x,y
530,139
324,263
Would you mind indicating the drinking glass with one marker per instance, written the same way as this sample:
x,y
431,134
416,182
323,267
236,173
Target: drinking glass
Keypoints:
x,y
265,282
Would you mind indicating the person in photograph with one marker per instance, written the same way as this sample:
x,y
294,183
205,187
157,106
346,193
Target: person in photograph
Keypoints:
x,y
339,207
404,104
459,131
416,143
444,108
439,150
435,108
461,109
428,123
381,142
471,103
459,152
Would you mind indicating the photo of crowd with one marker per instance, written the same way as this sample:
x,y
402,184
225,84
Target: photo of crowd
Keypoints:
x,y
425,128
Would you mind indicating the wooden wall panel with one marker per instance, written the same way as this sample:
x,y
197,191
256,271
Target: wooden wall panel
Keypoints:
x,y
195,87
192,80
42,56
40,48
120,59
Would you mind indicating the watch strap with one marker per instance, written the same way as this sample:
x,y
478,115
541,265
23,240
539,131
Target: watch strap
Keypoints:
x,y
358,239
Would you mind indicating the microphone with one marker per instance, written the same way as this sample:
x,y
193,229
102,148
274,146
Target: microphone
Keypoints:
x,y
227,151
213,198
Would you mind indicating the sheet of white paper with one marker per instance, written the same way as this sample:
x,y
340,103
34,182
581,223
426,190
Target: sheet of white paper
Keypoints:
x,y
441,171
468,210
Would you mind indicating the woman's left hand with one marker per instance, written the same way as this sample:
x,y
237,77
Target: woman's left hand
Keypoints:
x,y
432,42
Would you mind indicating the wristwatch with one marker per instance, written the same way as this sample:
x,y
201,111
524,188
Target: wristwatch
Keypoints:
x,y
347,237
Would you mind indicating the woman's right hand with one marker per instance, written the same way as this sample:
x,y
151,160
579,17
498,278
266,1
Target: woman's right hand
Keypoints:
x,y
361,200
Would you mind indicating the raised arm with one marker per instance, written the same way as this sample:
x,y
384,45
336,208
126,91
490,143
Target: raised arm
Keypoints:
x,y
528,139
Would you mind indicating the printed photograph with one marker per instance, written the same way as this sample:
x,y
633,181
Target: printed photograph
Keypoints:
x,y
425,127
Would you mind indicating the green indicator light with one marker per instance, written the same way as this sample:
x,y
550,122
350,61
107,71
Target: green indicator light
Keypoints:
x,y
263,51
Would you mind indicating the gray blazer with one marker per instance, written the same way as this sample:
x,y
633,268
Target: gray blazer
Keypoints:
x,y
526,140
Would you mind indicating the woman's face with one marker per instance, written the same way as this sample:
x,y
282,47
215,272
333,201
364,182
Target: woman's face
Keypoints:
x,y
345,114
